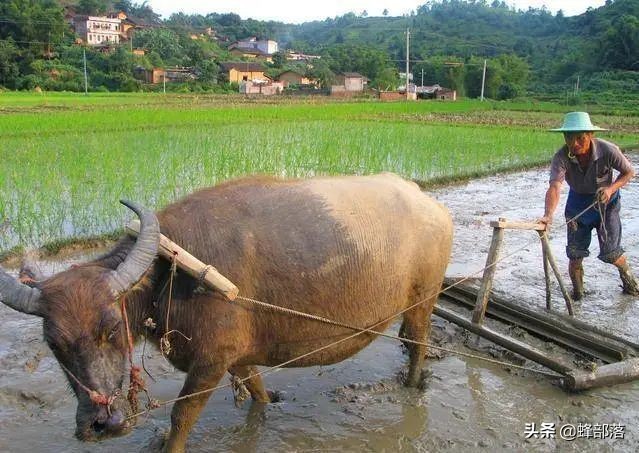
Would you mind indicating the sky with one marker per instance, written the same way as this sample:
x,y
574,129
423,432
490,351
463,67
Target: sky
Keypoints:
x,y
298,11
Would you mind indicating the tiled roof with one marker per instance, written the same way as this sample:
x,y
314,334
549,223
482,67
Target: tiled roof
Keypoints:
x,y
242,66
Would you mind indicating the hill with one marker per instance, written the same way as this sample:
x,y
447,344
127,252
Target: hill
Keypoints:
x,y
531,52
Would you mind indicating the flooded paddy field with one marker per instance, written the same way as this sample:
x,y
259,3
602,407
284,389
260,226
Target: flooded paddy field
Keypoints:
x,y
358,405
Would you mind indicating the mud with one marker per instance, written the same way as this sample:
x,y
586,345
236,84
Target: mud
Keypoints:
x,y
359,404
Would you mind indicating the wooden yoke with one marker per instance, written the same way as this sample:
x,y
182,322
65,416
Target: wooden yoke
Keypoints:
x,y
190,264
493,256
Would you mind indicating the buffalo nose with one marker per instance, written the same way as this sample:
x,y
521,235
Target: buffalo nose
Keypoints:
x,y
108,423
99,424
115,422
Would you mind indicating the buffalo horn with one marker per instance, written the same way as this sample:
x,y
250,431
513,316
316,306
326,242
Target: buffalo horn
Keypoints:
x,y
19,296
141,256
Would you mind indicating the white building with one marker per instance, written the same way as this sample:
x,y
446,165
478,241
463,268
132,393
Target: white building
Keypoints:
x,y
97,31
266,46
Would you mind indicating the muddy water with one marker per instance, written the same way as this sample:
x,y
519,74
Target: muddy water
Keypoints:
x,y
357,405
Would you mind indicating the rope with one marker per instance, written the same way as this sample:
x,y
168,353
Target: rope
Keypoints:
x,y
165,344
386,335
94,396
136,382
601,207
360,331
203,272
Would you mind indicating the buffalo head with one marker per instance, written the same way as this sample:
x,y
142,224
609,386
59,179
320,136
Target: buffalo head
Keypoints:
x,y
83,326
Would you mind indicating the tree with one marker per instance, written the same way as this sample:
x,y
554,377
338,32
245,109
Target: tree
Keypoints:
x,y
207,71
9,69
92,7
164,42
322,73
385,12
145,12
387,79
28,30
279,59
367,60
123,5
620,45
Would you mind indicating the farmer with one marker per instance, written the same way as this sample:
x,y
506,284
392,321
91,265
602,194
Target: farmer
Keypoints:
x,y
586,164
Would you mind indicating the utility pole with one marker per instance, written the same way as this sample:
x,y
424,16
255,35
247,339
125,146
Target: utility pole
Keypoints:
x,y
86,81
483,82
164,81
577,86
422,79
407,60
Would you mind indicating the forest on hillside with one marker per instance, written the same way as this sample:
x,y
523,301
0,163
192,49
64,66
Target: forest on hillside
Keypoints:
x,y
527,53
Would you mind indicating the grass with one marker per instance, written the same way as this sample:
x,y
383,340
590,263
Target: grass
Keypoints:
x,y
68,159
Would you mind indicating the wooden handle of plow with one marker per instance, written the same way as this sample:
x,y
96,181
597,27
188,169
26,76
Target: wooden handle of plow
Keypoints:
x,y
190,264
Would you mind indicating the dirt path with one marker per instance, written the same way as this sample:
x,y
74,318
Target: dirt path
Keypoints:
x,y
357,405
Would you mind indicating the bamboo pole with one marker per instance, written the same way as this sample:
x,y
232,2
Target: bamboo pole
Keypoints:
x,y
190,264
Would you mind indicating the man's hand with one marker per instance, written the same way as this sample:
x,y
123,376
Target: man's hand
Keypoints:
x,y
604,194
546,220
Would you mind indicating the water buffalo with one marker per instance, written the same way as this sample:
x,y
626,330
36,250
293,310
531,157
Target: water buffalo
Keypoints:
x,y
353,249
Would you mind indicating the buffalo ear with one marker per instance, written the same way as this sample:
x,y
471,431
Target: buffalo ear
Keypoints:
x,y
19,296
30,273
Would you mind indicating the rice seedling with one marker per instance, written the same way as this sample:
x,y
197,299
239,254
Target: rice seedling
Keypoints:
x,y
64,172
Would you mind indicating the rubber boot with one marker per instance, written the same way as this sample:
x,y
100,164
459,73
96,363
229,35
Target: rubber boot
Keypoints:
x,y
576,271
630,285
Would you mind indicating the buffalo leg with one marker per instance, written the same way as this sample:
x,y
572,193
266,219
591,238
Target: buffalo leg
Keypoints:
x,y
186,412
415,327
254,383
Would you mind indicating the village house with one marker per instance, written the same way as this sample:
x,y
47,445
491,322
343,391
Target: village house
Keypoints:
x,y
436,92
168,75
98,31
264,87
127,25
265,46
289,78
204,35
419,92
251,54
237,72
348,83
253,48
446,94
298,56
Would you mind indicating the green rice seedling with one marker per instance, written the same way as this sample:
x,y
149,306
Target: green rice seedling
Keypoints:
x,y
64,173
